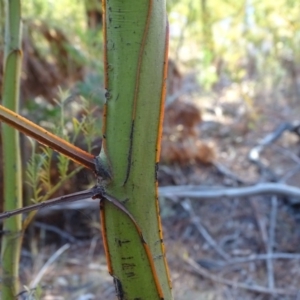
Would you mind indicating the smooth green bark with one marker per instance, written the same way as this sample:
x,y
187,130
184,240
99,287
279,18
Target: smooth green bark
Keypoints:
x,y
135,45
12,194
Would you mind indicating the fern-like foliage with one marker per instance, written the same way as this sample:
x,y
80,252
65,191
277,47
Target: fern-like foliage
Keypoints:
x,y
43,160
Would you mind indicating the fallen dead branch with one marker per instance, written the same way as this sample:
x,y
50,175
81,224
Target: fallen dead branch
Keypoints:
x,y
213,192
49,262
218,264
196,220
254,154
251,288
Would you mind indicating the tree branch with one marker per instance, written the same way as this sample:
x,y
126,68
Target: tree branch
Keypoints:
x,y
47,138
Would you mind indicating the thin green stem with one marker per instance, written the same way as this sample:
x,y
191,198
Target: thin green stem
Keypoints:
x,y
12,185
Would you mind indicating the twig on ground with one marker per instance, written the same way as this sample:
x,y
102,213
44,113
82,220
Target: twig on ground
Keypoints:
x,y
202,230
215,264
56,230
213,192
49,262
260,221
254,154
92,247
290,174
225,171
271,241
251,288
294,158
267,239
289,153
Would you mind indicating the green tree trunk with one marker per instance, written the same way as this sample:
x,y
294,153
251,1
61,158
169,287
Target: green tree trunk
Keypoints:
x,y
135,37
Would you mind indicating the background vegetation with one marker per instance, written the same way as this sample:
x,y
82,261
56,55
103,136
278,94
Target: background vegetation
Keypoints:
x,y
250,43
